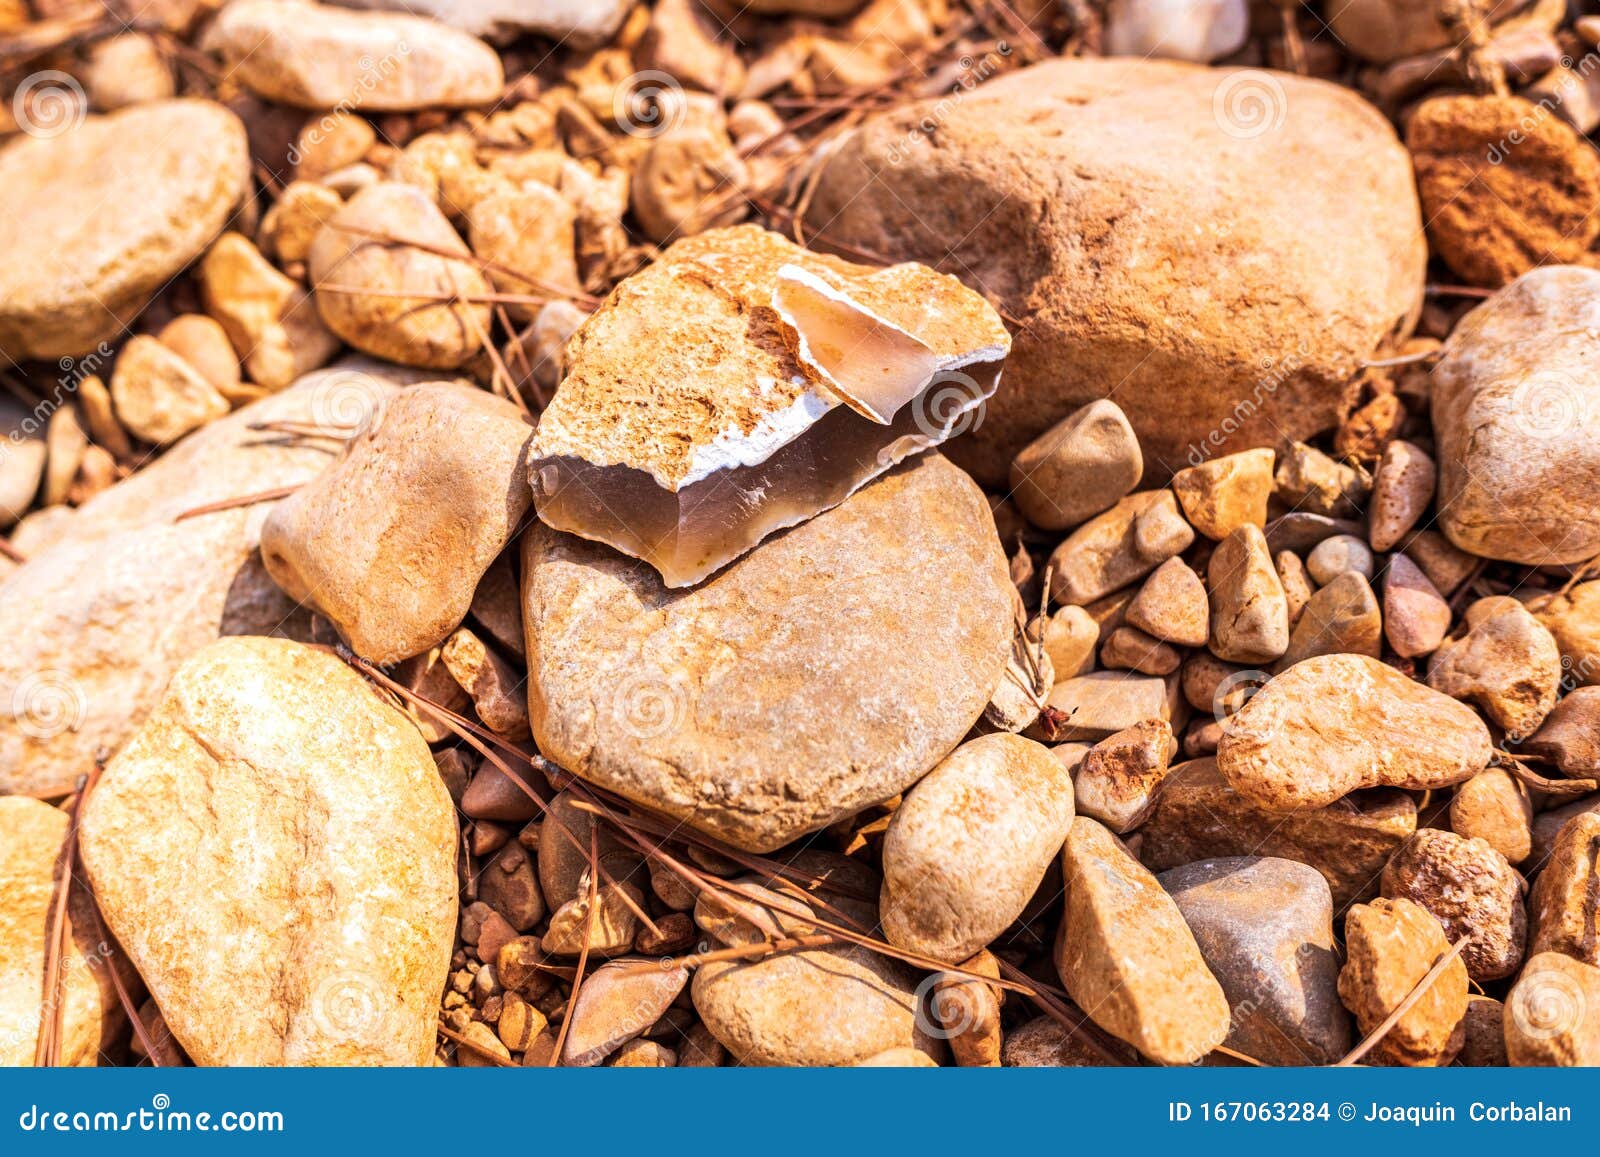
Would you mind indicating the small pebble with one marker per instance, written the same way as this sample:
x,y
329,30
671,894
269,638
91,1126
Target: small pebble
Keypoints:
x,y
1334,556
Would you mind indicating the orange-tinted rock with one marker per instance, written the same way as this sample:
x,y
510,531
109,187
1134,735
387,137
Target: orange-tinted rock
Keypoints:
x,y
1337,723
1128,959
1221,260
1390,945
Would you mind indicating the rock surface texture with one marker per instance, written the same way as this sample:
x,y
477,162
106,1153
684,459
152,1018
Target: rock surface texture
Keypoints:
x,y
1337,723
1218,260
31,835
95,220
275,822
390,543
101,618
1128,959
970,843
769,700
1516,411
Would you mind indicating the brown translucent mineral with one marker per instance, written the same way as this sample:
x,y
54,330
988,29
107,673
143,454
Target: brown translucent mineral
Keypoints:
x,y
743,384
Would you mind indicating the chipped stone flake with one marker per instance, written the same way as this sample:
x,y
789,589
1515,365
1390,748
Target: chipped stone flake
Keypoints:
x,y
742,385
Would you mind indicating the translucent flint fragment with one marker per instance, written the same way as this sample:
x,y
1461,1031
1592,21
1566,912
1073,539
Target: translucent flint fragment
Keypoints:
x,y
742,384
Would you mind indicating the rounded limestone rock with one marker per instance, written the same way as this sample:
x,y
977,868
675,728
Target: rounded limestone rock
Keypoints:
x,y
774,698
95,220
969,844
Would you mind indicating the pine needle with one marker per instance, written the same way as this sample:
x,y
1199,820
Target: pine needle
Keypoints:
x,y
1422,986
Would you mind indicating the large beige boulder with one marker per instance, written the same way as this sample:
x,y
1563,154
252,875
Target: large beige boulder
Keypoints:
x,y
31,836
275,851
1516,412
1161,231
95,220
775,697
319,56
100,616
390,543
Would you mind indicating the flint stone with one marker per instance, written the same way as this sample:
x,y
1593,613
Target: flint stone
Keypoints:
x,y
1552,1015
31,835
741,385
969,844
1471,890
